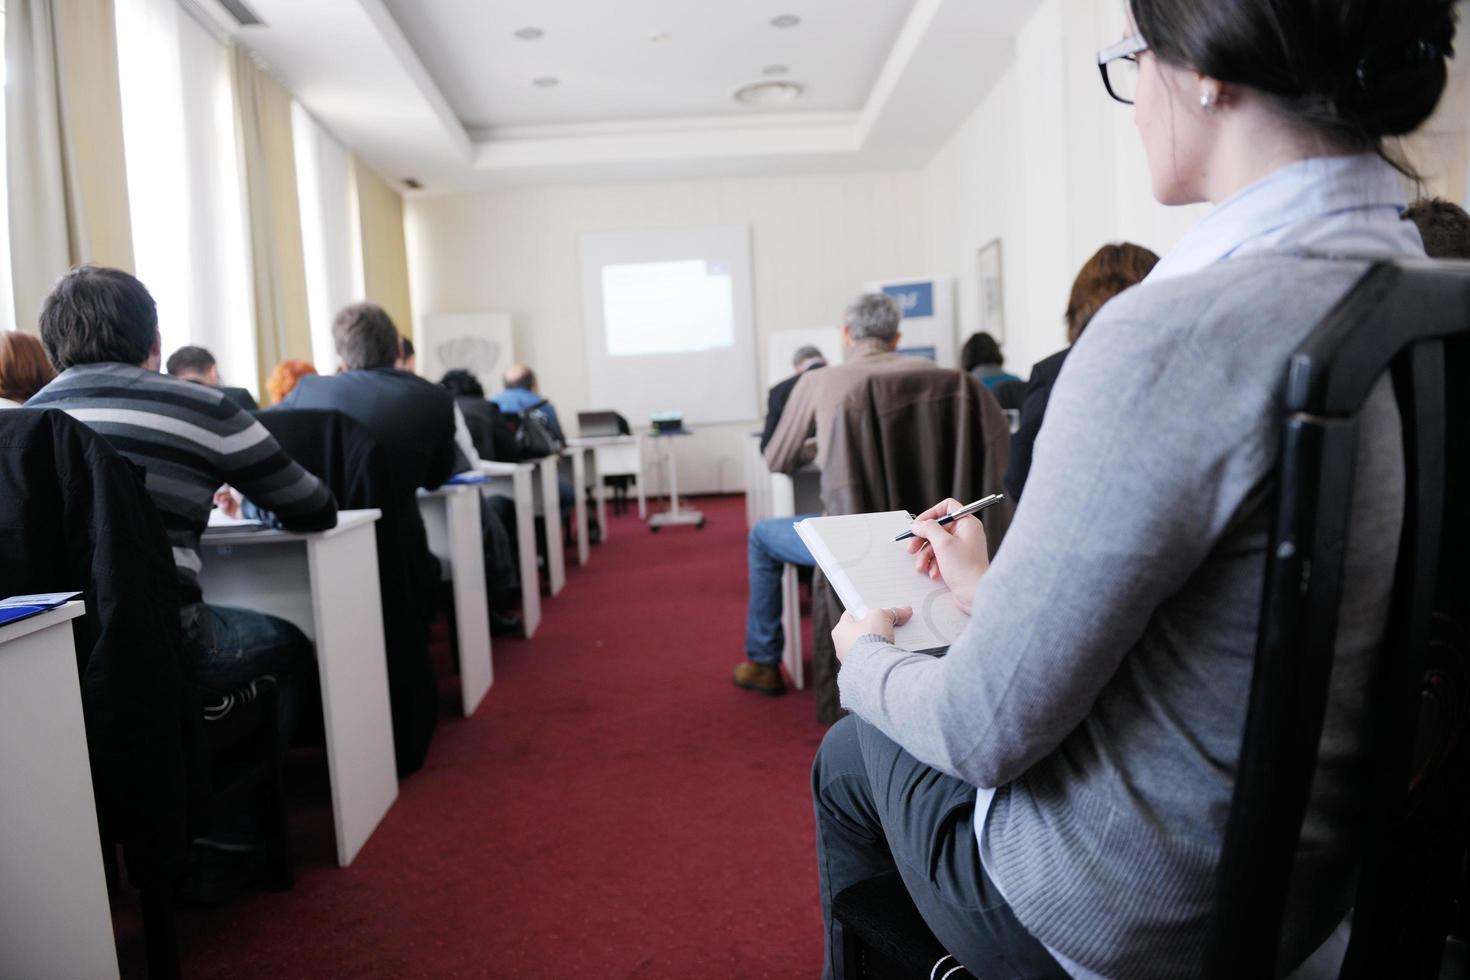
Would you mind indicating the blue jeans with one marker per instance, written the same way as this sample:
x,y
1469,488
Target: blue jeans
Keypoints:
x,y
774,543
231,647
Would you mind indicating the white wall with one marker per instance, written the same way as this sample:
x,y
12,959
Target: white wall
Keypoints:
x,y
815,240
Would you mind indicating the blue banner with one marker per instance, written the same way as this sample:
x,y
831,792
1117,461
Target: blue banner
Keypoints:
x,y
915,299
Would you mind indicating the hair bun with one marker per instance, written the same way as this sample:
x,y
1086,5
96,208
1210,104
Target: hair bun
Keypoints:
x,y
1396,81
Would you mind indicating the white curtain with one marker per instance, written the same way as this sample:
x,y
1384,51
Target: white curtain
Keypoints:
x,y
189,233
7,292
329,230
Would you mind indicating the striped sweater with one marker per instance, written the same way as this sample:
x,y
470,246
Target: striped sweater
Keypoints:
x,y
189,438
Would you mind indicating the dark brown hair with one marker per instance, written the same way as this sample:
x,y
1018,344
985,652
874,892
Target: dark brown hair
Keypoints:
x,y
1112,269
1355,70
24,369
96,315
1445,227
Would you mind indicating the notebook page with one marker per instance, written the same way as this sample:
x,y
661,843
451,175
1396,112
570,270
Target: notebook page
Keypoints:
x,y
868,569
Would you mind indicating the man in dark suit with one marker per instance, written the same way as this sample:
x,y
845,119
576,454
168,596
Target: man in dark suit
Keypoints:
x,y
198,365
492,436
805,359
412,417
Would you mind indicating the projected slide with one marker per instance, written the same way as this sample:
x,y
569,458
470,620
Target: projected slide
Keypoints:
x,y
667,307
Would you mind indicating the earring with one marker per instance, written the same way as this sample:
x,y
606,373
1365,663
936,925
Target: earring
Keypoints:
x,y
1208,99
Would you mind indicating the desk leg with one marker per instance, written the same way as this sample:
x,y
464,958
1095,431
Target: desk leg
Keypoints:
x,y
556,557
579,487
352,663
791,654
471,603
526,549
54,916
642,492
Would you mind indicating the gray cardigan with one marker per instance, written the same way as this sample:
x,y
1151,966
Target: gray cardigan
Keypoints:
x,y
1102,681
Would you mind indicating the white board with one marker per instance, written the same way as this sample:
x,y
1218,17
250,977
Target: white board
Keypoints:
x,y
669,323
482,343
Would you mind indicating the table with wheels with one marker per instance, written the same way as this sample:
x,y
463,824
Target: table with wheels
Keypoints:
x,y
675,514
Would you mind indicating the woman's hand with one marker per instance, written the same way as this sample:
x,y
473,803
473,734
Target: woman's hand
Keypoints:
x,y
879,621
227,499
955,554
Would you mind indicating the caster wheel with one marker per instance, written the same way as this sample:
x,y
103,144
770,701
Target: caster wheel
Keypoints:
x,y
700,525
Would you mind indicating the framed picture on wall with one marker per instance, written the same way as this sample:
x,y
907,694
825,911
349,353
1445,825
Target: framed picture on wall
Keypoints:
x,y
992,296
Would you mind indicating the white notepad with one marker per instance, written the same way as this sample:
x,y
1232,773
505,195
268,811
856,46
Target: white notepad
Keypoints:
x,y
869,570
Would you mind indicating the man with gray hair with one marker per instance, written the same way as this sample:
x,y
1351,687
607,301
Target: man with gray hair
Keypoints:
x,y
869,336
805,359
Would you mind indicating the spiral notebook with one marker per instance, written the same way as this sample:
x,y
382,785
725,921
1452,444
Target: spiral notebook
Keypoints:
x,y
869,570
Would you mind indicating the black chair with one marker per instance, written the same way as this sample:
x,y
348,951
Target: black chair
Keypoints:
x,y
356,468
1410,320
1010,394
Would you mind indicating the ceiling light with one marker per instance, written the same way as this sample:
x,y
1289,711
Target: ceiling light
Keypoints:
x,y
769,94
785,20
774,70
660,37
546,81
530,33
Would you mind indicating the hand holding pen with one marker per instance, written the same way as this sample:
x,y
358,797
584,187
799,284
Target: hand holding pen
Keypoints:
x,y
951,549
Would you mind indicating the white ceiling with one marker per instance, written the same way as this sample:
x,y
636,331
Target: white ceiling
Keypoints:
x,y
441,91
610,68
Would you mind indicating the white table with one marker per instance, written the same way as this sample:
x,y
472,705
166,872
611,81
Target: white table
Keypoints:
x,y
54,916
619,456
452,519
757,482
513,480
548,505
326,582
787,497
578,458
675,514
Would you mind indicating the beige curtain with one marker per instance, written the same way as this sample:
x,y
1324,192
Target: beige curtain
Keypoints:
x,y
384,253
263,114
64,145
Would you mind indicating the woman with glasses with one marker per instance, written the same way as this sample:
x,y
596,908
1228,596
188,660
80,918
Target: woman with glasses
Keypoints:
x,y
1054,790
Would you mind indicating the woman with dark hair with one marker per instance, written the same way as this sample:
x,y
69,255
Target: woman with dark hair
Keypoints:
x,y
1112,269
1053,791
24,369
981,356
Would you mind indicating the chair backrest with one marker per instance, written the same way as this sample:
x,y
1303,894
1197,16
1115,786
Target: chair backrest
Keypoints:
x,y
907,439
1410,320
75,515
343,454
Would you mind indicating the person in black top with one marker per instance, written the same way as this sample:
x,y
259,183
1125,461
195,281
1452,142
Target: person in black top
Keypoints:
x,y
493,438
198,365
1112,269
807,358
412,417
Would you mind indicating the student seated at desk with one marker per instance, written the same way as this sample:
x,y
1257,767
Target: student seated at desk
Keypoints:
x,y
24,369
1054,790
196,364
100,326
522,396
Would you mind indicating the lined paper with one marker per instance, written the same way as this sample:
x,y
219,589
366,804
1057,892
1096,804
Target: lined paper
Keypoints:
x,y
869,570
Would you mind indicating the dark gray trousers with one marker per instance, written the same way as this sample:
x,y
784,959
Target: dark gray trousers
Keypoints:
x,y
878,810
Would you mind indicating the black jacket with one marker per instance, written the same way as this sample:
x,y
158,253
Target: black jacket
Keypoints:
x,y
1033,409
243,398
492,436
74,515
776,403
359,471
411,418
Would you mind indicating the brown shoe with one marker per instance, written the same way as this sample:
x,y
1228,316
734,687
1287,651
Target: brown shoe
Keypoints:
x,y
761,678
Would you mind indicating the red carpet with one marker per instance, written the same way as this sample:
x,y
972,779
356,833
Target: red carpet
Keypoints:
x,y
615,808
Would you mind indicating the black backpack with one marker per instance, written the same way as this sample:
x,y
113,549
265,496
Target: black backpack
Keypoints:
x,y
535,435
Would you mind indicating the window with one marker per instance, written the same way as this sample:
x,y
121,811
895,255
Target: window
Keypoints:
x,y
7,297
330,242
184,184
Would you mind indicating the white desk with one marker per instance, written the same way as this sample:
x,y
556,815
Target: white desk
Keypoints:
x,y
789,496
548,505
325,582
54,916
514,480
619,456
757,482
452,519
578,457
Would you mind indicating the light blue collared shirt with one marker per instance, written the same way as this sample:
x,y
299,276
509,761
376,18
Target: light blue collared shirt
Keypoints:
x,y
1347,205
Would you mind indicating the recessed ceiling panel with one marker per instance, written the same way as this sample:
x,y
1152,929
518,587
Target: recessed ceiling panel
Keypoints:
x,y
624,60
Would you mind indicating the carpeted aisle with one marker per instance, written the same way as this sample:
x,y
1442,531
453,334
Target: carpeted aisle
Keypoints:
x,y
616,808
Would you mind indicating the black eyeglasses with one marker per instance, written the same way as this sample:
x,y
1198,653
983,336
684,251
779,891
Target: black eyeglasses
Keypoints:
x,y
1119,67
